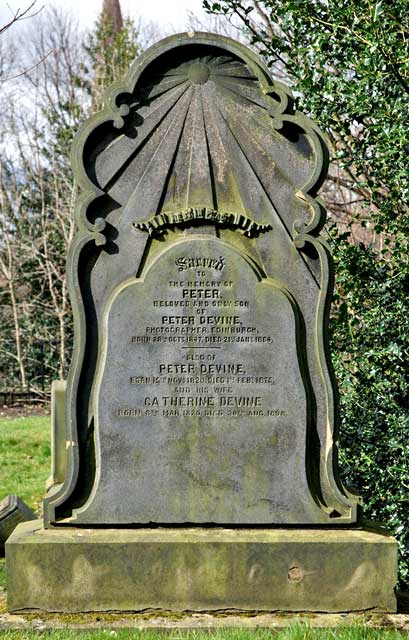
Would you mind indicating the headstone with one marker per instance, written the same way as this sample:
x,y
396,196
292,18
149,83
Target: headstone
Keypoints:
x,y
13,510
201,391
201,387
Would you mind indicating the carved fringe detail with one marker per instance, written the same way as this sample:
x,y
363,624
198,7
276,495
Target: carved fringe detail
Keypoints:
x,y
159,221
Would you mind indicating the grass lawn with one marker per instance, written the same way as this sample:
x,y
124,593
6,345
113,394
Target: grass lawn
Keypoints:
x,y
24,463
296,632
25,458
2,573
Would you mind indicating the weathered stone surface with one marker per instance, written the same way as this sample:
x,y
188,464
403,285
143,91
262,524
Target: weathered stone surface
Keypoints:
x,y
70,569
200,389
12,511
201,407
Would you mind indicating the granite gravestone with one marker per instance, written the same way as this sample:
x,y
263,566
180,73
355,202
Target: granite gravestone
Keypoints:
x,y
201,391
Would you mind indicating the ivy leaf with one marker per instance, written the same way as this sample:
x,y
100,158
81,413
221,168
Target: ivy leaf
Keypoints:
x,y
377,11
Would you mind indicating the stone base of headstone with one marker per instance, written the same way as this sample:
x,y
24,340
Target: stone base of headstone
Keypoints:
x,y
200,569
12,511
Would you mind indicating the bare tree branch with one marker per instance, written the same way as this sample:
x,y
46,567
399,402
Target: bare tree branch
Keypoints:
x,y
21,15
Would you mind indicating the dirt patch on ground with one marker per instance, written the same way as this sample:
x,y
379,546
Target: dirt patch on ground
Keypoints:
x,y
25,410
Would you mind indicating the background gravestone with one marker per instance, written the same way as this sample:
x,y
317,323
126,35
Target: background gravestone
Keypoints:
x,y
13,510
201,390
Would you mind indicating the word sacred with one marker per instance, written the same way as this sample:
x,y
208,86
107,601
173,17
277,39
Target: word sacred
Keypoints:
x,y
194,263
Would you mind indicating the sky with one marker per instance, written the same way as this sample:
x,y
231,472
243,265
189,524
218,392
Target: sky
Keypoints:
x,y
170,15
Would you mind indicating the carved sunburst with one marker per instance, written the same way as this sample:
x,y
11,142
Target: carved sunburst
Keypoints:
x,y
196,137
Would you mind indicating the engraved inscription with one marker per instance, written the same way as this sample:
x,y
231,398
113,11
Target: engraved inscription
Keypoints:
x,y
209,394
209,318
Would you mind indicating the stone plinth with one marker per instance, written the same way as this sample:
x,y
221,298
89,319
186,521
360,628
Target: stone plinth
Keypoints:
x,y
200,569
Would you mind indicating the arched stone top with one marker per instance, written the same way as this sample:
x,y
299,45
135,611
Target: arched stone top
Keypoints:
x,y
225,140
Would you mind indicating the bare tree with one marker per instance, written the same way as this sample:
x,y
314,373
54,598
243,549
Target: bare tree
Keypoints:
x,y
37,196
42,110
10,266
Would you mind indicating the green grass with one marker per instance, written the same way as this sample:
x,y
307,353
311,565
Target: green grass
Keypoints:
x,y
25,463
25,458
296,632
2,573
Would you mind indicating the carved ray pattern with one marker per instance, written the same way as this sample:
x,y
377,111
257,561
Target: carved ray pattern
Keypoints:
x,y
207,128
